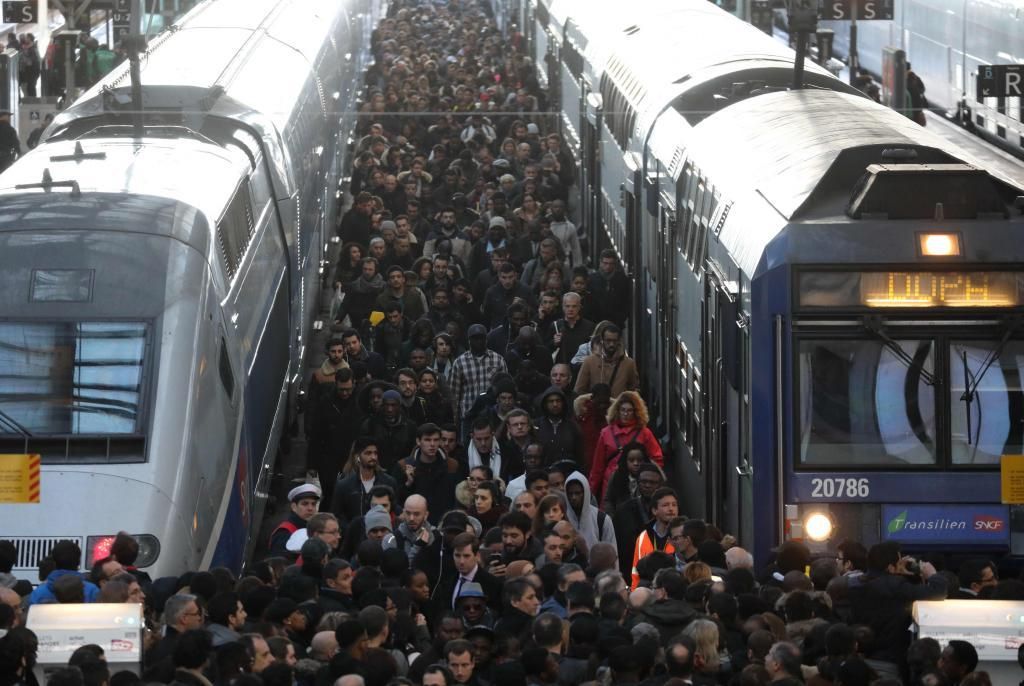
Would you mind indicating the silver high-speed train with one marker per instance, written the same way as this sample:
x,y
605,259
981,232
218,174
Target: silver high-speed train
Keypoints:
x,y
155,287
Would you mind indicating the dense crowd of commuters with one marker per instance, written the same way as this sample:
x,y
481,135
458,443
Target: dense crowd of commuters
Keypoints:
x,y
490,505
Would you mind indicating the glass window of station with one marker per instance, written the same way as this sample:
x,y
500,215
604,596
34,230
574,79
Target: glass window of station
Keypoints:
x,y
926,375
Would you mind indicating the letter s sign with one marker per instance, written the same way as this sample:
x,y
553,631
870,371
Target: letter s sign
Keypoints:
x,y
28,14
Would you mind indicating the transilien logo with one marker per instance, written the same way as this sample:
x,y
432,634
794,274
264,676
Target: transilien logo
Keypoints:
x,y
897,523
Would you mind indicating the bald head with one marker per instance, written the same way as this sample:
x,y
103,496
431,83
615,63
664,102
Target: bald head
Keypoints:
x,y
415,512
350,680
324,646
641,597
738,558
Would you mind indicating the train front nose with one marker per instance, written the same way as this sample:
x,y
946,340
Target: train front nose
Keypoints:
x,y
90,509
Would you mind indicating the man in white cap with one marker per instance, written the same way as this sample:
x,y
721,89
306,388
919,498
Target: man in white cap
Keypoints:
x,y
304,499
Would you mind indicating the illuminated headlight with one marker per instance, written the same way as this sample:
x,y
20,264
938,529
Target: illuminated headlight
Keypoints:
x,y
98,548
818,527
939,244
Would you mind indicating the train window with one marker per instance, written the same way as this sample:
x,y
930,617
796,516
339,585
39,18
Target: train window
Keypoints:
x,y
985,404
867,402
72,378
227,377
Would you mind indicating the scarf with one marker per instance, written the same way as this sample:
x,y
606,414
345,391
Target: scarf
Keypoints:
x,y
495,461
362,285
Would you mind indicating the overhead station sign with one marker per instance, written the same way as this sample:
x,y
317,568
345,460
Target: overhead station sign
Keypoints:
x,y
861,10
1000,81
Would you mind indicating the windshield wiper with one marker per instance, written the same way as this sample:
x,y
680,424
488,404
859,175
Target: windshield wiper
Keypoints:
x,y
874,326
1011,324
8,420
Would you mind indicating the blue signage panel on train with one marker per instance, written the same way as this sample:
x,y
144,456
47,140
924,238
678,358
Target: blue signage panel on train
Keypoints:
x,y
948,524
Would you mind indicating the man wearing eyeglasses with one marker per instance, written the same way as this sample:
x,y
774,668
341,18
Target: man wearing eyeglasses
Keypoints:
x,y
181,613
975,576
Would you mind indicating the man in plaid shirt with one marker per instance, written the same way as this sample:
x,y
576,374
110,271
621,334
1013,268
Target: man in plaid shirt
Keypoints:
x,y
472,373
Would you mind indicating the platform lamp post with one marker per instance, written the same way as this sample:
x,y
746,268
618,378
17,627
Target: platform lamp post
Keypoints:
x,y
803,21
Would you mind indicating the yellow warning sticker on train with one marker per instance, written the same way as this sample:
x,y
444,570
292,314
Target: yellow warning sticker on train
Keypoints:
x,y
19,478
1011,472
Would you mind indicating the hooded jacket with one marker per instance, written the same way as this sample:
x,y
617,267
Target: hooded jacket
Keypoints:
x,y
595,526
44,592
559,434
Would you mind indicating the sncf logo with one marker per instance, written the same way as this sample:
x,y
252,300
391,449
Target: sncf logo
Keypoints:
x,y
988,523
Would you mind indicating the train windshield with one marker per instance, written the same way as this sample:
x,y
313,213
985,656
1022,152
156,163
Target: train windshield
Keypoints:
x,y
985,400
867,402
71,378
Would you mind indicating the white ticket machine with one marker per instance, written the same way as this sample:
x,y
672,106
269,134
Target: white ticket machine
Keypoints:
x,y
117,628
994,627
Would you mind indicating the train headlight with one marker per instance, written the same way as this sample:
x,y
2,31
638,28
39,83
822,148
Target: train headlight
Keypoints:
x,y
939,244
818,527
98,547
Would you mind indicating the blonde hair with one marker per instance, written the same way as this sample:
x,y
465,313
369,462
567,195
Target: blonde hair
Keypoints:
x,y
705,633
642,418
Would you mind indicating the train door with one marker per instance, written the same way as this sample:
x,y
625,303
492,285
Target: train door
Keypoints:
x,y
641,320
712,409
724,342
590,173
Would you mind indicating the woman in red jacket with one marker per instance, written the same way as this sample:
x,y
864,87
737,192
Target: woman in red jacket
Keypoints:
x,y
627,423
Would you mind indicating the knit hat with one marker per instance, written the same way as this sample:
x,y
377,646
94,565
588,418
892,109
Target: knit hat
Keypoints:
x,y
391,395
377,517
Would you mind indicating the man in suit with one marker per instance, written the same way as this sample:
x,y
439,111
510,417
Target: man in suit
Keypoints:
x,y
465,550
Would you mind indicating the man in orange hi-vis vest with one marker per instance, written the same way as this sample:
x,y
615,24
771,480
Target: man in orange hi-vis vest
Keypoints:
x,y
655,536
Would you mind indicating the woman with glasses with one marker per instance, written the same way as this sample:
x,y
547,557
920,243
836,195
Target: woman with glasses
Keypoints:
x,y
627,423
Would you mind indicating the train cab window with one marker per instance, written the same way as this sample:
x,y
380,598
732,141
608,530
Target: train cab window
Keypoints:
x,y
985,405
867,403
72,378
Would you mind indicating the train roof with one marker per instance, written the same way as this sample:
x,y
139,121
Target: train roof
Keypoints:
x,y
803,152
213,51
709,49
139,171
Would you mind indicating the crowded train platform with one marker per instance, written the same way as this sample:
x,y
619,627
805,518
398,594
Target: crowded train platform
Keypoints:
x,y
436,416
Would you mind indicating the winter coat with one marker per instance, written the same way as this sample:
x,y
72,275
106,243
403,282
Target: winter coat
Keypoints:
x,y
610,442
43,593
591,423
560,436
668,616
350,500
435,481
394,441
883,602
618,372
